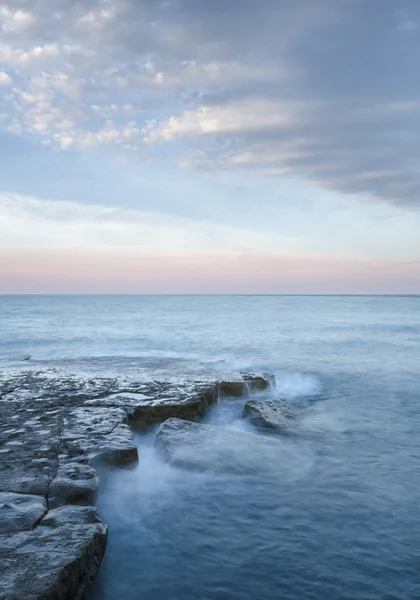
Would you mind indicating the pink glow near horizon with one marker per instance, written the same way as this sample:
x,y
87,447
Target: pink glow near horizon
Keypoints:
x,y
66,270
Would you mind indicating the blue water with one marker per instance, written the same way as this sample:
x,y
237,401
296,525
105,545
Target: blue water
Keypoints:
x,y
337,517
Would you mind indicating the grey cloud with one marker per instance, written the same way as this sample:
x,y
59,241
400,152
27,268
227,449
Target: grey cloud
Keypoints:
x,y
357,66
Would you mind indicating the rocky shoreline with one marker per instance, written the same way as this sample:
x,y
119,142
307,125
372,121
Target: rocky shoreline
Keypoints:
x,y
55,431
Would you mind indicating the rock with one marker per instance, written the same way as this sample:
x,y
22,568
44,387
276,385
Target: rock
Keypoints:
x,y
54,428
50,563
28,446
75,483
191,409
20,512
209,448
246,386
118,448
234,389
260,383
85,428
271,415
71,515
99,434
24,477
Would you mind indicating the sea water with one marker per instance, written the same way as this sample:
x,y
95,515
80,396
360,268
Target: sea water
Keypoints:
x,y
335,516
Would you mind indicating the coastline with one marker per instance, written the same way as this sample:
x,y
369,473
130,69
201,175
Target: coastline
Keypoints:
x,y
55,433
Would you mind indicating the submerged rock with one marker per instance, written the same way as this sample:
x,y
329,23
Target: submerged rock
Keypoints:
x,y
210,448
271,415
20,512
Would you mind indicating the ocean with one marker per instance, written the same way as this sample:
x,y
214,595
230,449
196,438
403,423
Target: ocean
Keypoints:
x,y
336,516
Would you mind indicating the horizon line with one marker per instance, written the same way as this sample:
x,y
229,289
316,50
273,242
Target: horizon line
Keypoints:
x,y
182,294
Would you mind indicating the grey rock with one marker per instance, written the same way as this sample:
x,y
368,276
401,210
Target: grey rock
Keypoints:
x,y
275,415
20,512
54,429
209,448
75,483
29,441
118,448
99,434
190,409
50,563
71,515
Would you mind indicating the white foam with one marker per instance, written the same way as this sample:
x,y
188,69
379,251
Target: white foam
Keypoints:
x,y
294,385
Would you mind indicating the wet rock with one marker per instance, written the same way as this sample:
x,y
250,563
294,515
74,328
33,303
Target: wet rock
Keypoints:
x,y
260,383
209,448
54,428
75,483
246,386
20,512
28,459
25,478
125,400
118,448
71,515
234,389
275,415
51,563
191,409
99,434
86,425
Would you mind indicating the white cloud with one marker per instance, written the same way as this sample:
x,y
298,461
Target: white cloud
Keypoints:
x,y
176,75
67,85
96,18
241,117
42,56
16,22
27,220
64,140
271,157
5,79
111,135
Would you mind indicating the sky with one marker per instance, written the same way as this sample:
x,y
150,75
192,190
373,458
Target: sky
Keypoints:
x,y
210,146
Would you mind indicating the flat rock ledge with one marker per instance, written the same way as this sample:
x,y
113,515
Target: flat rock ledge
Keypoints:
x,y
275,415
55,429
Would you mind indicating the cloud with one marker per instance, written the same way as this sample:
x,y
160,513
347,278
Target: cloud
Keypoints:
x,y
5,79
16,22
26,220
38,57
236,118
273,87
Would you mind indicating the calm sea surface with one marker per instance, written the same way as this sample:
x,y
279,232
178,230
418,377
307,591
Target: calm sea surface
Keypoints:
x,y
337,516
